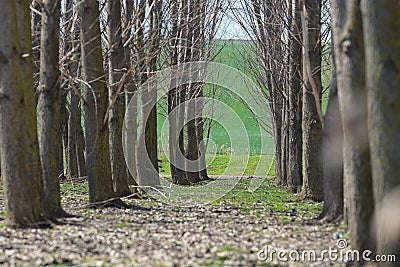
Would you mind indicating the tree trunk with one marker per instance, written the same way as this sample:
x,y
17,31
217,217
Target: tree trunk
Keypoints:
x,y
49,132
332,151
95,105
20,164
312,125
73,128
295,166
129,86
74,151
116,111
277,125
284,140
192,148
349,53
382,50
154,50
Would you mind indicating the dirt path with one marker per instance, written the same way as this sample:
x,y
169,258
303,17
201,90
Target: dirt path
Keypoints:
x,y
154,234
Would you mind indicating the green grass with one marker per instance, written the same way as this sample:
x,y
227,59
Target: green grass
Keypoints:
x,y
275,197
241,165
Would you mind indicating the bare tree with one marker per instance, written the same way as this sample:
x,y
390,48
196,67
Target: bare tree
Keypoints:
x,y
50,141
312,90
70,70
20,164
95,105
116,64
295,95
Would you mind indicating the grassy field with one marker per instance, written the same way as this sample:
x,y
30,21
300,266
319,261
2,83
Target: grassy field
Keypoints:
x,y
240,165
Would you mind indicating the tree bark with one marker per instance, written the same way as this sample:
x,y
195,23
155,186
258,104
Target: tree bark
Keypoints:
x,y
295,166
116,111
349,51
312,125
95,105
192,148
129,86
382,55
332,151
20,164
49,132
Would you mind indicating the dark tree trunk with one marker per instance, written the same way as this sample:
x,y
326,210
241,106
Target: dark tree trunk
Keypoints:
x,y
284,143
95,105
129,86
192,148
49,132
312,124
295,166
332,151
116,112
20,164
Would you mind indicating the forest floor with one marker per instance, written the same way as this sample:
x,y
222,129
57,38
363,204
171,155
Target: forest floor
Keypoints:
x,y
228,232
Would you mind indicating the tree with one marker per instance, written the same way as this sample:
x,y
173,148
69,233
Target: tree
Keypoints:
x,y
116,63
382,58
74,140
49,132
95,105
312,118
295,175
332,154
20,164
349,56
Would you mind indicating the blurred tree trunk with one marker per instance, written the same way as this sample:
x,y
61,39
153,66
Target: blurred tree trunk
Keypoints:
x,y
95,105
349,54
382,50
332,152
312,124
49,132
20,164
116,66
295,165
